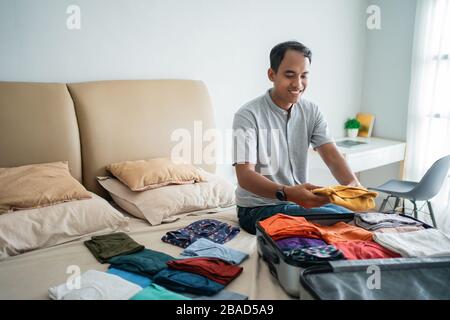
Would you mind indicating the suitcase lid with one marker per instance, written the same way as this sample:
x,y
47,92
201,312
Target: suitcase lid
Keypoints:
x,y
385,279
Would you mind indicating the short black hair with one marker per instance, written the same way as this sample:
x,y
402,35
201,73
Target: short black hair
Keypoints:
x,y
277,53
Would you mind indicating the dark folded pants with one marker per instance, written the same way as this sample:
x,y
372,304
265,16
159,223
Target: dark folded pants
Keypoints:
x,y
181,281
110,245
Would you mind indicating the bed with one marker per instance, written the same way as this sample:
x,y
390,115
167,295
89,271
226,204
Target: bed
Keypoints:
x,y
91,125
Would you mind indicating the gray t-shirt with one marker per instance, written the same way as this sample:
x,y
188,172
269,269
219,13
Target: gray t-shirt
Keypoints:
x,y
277,142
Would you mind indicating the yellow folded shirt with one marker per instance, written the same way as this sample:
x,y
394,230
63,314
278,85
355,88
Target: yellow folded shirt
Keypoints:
x,y
353,198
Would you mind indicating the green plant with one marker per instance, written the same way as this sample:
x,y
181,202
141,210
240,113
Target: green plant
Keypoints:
x,y
352,124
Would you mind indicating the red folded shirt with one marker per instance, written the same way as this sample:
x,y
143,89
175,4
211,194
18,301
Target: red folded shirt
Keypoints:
x,y
215,269
356,250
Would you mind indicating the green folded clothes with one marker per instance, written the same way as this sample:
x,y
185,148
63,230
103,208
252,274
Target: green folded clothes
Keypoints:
x,y
111,245
145,262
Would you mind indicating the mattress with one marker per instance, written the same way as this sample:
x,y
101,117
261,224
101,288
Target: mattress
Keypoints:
x,y
29,275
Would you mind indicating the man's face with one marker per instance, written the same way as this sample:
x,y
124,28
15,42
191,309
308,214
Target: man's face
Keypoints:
x,y
291,79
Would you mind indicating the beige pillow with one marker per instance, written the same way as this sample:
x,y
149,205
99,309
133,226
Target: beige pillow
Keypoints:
x,y
38,185
165,203
43,227
143,175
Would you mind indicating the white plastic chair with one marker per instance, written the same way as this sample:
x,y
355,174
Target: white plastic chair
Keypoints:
x,y
424,190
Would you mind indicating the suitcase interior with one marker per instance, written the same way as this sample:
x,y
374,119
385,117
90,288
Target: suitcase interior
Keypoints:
x,y
426,278
289,271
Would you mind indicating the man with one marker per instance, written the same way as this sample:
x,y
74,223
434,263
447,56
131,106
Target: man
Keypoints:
x,y
272,134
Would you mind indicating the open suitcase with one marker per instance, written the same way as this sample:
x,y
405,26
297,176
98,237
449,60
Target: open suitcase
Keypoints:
x,y
399,279
347,279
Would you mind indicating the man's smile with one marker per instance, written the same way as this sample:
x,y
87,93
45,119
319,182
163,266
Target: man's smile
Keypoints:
x,y
295,92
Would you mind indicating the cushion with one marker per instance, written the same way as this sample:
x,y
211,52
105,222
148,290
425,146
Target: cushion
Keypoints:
x,y
38,185
163,204
143,175
43,227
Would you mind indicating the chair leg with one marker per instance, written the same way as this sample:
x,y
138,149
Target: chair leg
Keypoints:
x,y
384,203
397,200
415,209
430,209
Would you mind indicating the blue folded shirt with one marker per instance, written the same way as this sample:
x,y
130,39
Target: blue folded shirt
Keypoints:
x,y
206,248
181,281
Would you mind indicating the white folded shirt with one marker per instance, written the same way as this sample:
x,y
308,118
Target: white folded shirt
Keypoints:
x,y
377,217
95,285
422,243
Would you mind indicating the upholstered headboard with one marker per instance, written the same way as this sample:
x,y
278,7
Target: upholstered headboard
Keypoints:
x,y
131,120
37,125
111,120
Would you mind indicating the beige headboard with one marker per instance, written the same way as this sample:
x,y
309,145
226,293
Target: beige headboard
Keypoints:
x,y
134,119
38,124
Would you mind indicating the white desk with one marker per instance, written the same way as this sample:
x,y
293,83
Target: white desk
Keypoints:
x,y
375,152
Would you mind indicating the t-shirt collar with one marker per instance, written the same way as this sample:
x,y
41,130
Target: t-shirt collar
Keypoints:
x,y
276,108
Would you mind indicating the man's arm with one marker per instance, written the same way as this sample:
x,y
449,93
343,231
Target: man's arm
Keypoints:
x,y
256,183
337,164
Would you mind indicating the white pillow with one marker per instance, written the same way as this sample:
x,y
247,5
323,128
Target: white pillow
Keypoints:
x,y
31,229
162,204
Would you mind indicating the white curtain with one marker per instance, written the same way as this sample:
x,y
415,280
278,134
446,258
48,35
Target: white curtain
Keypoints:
x,y
428,133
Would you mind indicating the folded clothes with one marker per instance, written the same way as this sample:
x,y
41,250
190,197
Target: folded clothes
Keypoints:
x,y
135,278
221,295
399,229
422,243
219,232
323,253
358,250
375,220
378,217
181,281
353,198
155,292
206,248
282,226
110,245
215,269
342,231
95,285
298,243
146,262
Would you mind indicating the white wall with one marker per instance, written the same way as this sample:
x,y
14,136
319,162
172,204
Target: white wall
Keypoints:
x,y
225,43
387,78
388,68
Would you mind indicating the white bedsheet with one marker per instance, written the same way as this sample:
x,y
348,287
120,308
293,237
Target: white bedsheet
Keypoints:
x,y
30,275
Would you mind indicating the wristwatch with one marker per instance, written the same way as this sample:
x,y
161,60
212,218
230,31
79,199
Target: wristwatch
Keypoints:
x,y
280,194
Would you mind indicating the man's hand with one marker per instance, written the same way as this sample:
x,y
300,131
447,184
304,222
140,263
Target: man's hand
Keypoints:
x,y
355,183
302,195
338,165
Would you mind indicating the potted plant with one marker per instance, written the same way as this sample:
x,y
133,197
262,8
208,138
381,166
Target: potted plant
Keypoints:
x,y
352,126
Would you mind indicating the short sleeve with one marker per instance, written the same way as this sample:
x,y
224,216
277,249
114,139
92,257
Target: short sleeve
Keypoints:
x,y
244,139
320,133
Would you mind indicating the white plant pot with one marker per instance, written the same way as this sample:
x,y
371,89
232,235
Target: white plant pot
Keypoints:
x,y
352,133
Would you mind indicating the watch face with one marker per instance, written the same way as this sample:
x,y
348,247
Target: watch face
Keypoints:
x,y
280,195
